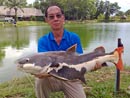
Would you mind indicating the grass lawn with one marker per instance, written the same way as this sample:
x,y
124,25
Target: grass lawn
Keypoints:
x,y
22,23
100,84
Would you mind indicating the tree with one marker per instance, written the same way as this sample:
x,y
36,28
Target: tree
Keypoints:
x,y
110,9
36,4
114,8
120,13
1,2
15,4
127,12
100,8
74,9
106,8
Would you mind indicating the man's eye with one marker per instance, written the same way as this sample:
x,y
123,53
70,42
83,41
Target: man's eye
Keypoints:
x,y
51,17
58,15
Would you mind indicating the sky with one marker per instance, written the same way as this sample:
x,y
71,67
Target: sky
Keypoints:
x,y
30,1
124,4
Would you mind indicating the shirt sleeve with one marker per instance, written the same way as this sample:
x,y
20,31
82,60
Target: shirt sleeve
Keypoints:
x,y
76,40
42,45
79,46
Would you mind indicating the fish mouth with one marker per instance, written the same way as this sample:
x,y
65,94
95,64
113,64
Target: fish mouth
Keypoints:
x,y
29,68
19,66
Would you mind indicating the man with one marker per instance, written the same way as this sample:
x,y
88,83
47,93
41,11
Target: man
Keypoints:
x,y
56,40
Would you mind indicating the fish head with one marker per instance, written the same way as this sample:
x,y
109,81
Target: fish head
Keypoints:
x,y
34,64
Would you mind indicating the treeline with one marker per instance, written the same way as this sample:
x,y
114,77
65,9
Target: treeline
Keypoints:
x,y
84,9
74,9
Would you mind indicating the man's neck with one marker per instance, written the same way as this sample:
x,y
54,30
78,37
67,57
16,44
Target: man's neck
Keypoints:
x,y
58,34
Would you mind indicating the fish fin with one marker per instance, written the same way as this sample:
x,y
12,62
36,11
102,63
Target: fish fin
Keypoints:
x,y
119,64
72,48
100,49
54,74
82,78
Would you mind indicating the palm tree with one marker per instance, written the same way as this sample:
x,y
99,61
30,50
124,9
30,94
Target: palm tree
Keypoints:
x,y
15,4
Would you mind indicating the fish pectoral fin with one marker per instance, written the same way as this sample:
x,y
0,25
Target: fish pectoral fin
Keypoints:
x,y
41,75
58,77
83,79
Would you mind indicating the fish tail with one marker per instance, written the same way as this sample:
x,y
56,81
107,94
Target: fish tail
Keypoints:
x,y
119,64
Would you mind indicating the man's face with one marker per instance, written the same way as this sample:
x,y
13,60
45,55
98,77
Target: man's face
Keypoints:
x,y
55,18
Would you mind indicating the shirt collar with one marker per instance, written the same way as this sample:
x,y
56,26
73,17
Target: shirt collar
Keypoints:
x,y
52,36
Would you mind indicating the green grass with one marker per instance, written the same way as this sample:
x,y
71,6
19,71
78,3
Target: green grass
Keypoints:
x,y
100,84
36,23
23,23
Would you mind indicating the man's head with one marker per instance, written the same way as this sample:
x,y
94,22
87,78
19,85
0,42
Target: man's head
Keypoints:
x,y
54,16
46,13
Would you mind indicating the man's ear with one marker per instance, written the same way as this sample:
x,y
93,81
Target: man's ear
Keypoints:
x,y
64,18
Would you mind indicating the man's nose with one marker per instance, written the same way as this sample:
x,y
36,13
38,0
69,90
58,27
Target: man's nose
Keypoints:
x,y
55,17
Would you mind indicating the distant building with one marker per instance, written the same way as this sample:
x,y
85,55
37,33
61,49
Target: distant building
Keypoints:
x,y
24,14
123,17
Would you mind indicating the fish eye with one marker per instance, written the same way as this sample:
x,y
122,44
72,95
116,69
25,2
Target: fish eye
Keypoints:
x,y
27,59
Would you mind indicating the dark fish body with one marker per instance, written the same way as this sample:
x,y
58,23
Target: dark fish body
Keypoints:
x,y
66,65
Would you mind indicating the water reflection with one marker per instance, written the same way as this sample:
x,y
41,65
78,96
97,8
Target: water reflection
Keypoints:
x,y
18,42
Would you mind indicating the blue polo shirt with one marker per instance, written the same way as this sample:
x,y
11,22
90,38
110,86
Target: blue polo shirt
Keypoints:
x,y
48,43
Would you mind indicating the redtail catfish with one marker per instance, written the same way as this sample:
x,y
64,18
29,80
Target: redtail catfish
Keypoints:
x,y
68,65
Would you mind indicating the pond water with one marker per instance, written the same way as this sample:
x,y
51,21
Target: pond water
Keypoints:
x,y
16,42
